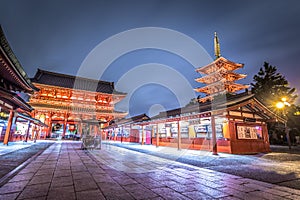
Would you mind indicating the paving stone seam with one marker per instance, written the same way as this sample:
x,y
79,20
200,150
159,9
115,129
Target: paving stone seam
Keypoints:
x,y
287,181
6,178
96,163
42,151
192,166
122,186
86,152
173,161
54,169
95,160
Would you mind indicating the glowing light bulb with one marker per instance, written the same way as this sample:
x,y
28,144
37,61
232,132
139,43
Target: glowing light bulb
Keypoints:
x,y
280,105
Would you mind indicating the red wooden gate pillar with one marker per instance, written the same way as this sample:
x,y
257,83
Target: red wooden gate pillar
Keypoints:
x,y
8,128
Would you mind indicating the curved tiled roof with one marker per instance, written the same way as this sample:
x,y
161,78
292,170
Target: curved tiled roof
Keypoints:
x,y
11,69
69,81
10,98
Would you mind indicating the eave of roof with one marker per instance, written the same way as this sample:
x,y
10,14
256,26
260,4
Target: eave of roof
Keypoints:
x,y
15,64
221,59
14,100
29,118
137,118
230,102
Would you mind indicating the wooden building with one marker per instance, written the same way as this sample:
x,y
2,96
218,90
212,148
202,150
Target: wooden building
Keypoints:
x,y
13,82
124,130
240,123
223,120
72,106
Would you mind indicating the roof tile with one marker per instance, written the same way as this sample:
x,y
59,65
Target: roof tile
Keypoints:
x,y
69,81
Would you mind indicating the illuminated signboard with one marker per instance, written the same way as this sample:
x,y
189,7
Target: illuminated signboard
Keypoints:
x,y
249,132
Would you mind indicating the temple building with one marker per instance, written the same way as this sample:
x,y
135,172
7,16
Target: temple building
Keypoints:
x,y
15,120
72,106
226,119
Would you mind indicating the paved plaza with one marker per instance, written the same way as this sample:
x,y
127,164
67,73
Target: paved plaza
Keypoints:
x,y
280,167
64,171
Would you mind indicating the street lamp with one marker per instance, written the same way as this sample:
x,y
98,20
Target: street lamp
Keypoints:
x,y
281,105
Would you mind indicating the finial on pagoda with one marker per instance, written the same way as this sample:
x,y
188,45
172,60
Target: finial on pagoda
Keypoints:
x,y
217,46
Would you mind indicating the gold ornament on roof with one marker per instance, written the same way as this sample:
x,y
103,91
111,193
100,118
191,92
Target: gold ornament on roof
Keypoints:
x,y
217,46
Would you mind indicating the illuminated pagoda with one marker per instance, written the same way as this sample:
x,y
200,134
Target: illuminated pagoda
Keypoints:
x,y
219,76
72,106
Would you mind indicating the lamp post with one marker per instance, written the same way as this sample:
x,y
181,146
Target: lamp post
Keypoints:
x,y
281,105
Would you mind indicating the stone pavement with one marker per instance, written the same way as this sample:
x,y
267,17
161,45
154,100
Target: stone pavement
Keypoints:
x,y
278,168
63,171
14,146
16,155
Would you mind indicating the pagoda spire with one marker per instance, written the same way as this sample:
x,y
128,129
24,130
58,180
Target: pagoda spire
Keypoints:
x,y
217,46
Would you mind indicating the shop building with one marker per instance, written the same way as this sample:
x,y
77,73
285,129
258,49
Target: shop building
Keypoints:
x,y
240,125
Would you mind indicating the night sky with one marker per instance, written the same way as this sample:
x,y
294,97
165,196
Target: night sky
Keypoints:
x,y
60,35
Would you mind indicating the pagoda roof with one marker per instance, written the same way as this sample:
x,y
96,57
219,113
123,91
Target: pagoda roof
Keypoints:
x,y
218,75
11,71
219,63
218,86
73,82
